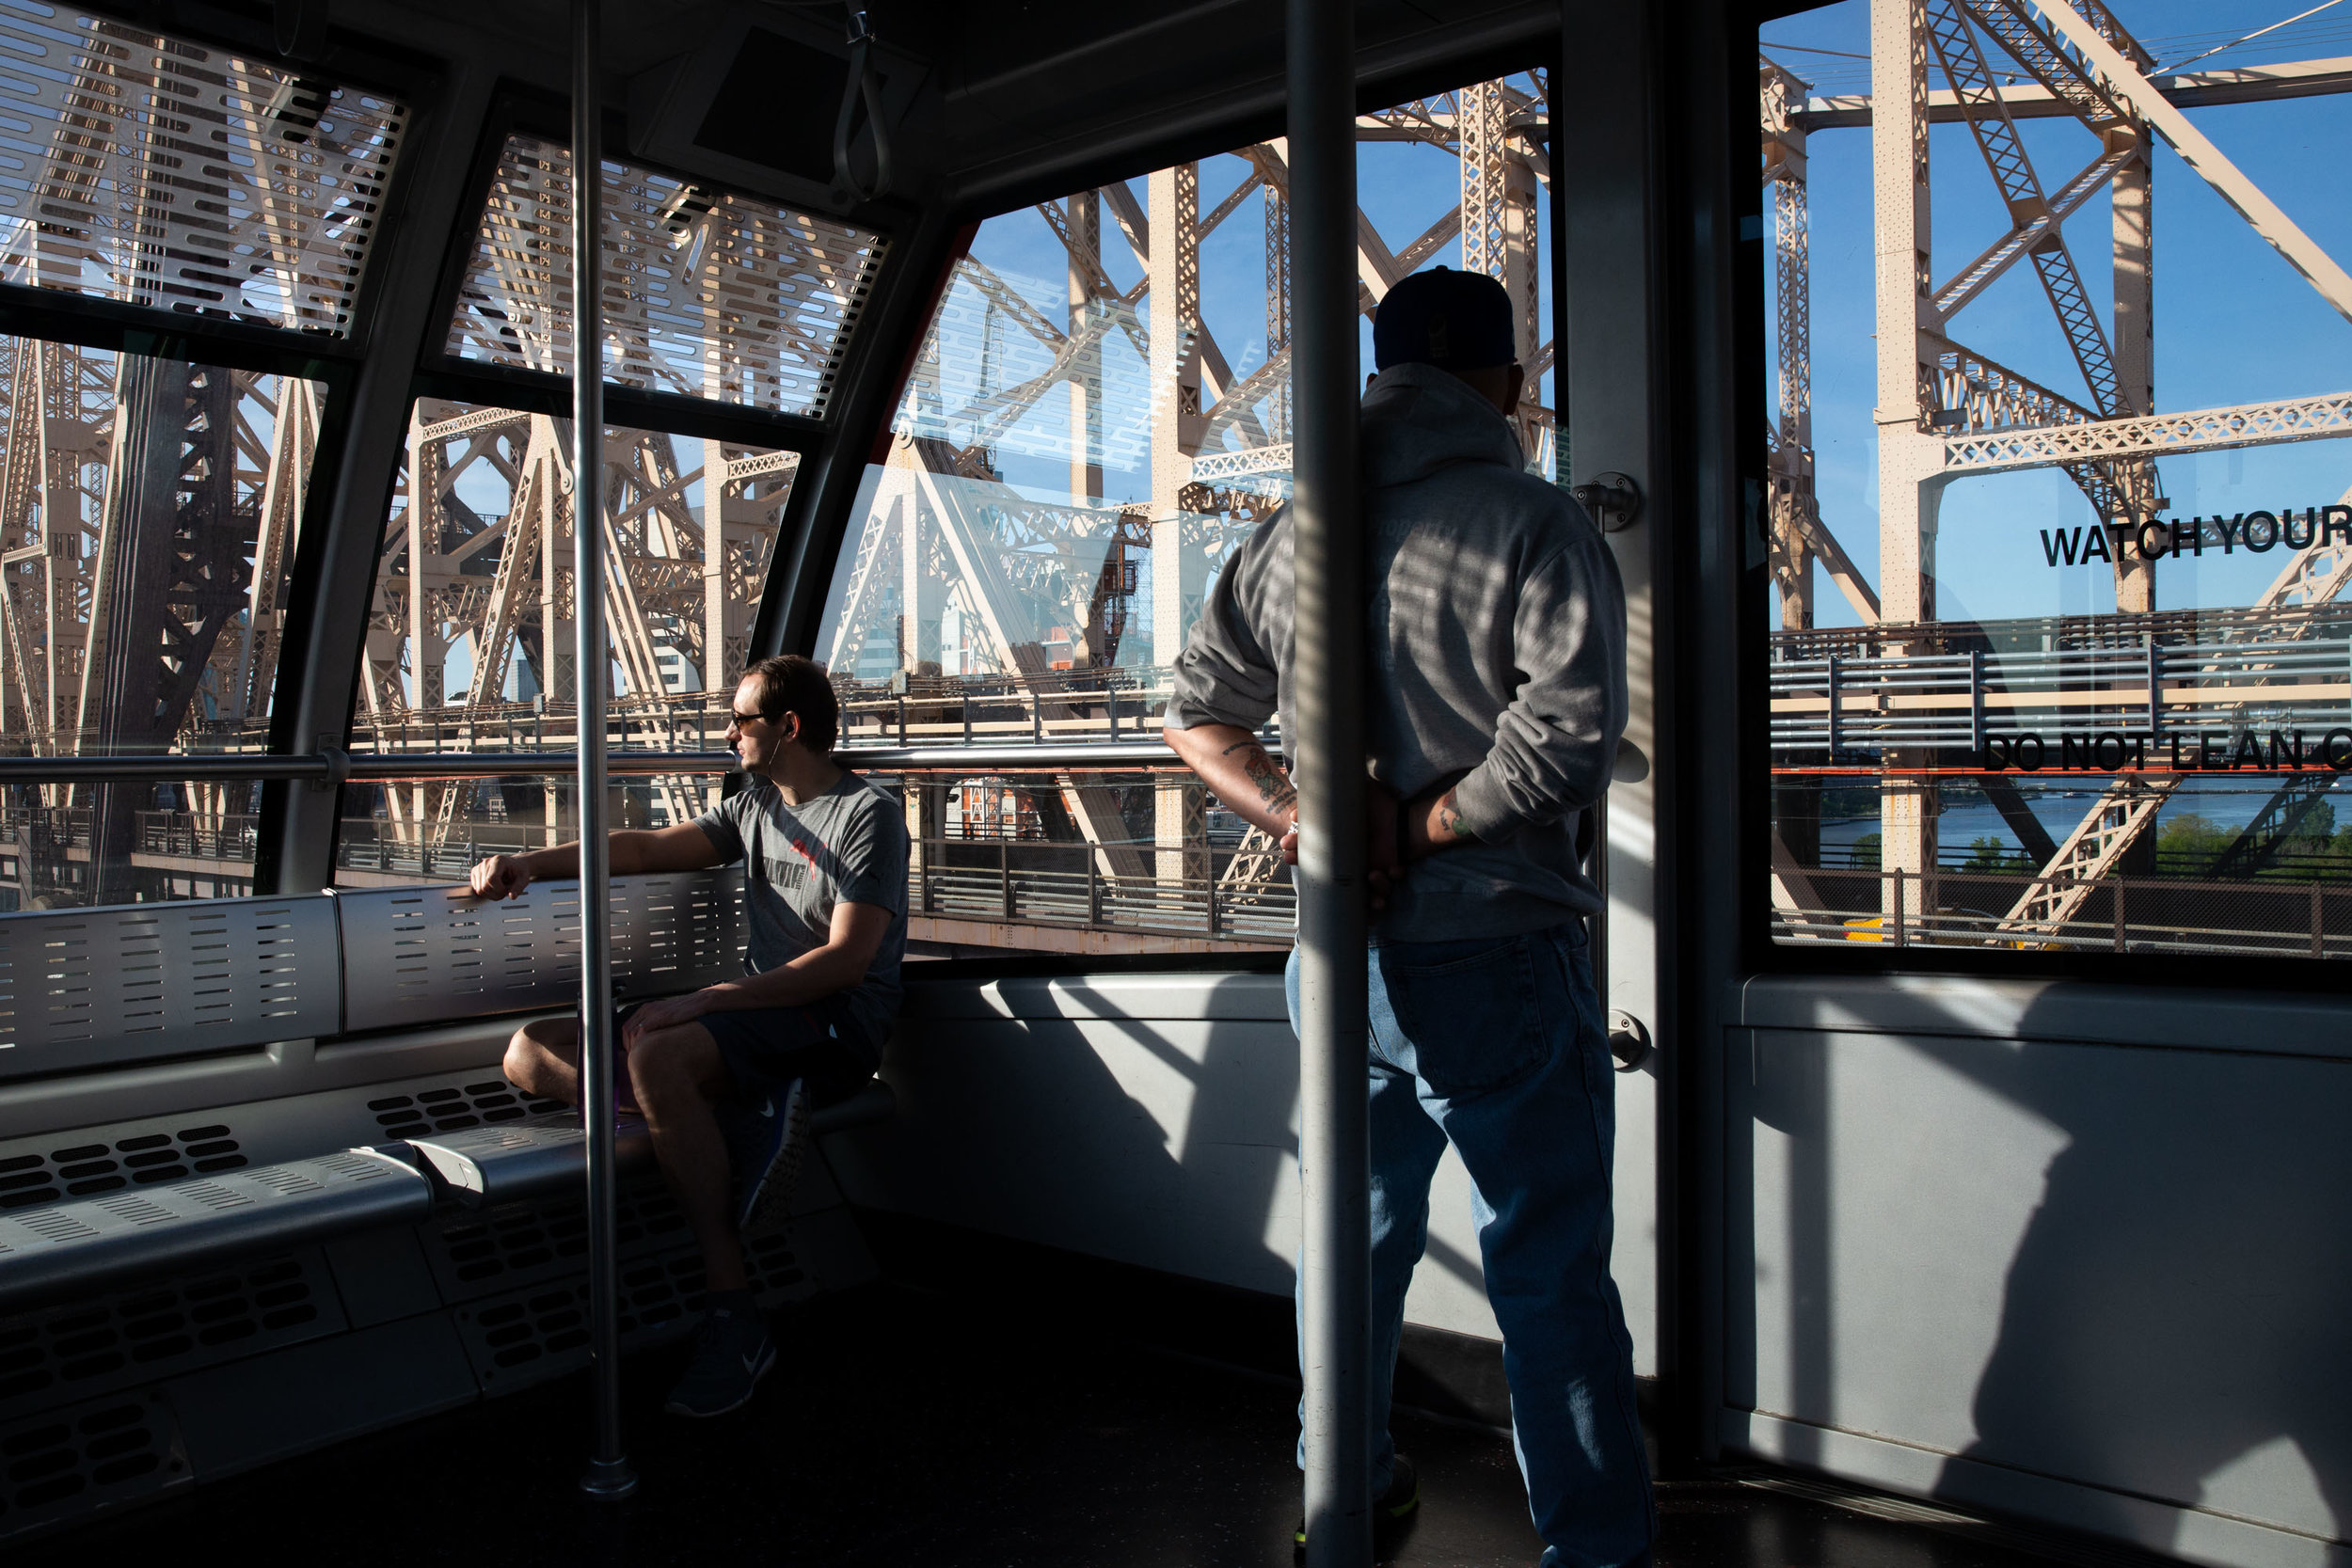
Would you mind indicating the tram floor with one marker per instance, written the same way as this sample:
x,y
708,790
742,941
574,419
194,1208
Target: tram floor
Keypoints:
x,y
908,1426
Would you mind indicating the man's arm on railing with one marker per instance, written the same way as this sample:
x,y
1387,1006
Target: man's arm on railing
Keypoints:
x,y
628,851
856,934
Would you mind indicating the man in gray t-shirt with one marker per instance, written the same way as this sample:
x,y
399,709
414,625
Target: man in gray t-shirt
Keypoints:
x,y
725,1076
803,862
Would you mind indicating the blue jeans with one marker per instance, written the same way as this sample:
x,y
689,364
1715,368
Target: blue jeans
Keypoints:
x,y
1496,1045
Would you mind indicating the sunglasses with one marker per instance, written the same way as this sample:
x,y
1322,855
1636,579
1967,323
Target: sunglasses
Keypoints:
x,y
741,719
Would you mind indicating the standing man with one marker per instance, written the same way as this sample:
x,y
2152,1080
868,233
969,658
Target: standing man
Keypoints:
x,y
1497,671
825,883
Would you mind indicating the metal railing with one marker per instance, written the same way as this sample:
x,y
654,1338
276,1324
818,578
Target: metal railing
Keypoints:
x,y
341,766
1074,890
2143,698
996,881
192,835
2122,914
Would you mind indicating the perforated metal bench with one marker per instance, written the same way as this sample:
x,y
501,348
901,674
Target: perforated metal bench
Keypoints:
x,y
75,1248
83,989
487,1165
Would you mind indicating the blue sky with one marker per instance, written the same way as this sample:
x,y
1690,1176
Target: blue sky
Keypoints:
x,y
1402,186
2234,323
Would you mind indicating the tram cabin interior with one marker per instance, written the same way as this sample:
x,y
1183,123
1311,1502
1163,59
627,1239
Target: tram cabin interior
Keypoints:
x,y
1974,921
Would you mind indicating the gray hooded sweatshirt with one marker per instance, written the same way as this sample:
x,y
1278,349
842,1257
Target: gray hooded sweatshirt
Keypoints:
x,y
1497,641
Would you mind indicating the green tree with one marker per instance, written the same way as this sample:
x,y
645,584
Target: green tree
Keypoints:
x,y
2190,845
1991,854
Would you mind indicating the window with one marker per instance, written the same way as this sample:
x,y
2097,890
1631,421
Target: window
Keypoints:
x,y
1097,419
156,172
707,294
469,642
2058,653
150,512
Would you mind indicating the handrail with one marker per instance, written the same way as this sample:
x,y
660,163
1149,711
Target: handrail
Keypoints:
x,y
374,766
1116,754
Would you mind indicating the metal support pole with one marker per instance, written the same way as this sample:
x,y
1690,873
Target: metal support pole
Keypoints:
x,y
609,1473
1335,1321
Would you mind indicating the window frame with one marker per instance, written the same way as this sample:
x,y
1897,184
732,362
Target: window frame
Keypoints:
x,y
334,362
517,111
410,77
901,320
1750,886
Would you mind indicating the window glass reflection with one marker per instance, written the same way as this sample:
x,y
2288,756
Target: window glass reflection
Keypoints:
x,y
1097,419
2056,557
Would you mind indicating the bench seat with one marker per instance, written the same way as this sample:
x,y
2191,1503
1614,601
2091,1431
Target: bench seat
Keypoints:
x,y
71,1249
487,1165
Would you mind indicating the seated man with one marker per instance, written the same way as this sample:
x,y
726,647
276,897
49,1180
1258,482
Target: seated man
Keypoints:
x,y
825,883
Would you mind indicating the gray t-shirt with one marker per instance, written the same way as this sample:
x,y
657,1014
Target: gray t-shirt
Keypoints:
x,y
848,845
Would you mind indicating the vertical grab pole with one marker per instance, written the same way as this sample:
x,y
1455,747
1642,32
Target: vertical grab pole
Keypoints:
x,y
1334,1147
609,1473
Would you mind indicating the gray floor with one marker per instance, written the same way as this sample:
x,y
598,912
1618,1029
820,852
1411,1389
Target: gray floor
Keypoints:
x,y
907,1428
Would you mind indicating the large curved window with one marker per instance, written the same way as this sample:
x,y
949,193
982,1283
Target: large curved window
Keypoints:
x,y
707,292
150,512
469,643
158,172
2059,524
1098,418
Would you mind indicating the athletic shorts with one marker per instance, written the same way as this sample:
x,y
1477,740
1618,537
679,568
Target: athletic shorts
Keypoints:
x,y
766,1048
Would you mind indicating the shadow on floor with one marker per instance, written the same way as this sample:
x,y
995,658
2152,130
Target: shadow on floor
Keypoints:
x,y
905,1427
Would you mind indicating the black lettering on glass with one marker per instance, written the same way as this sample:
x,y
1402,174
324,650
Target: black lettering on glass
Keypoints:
x,y
2270,531
2310,527
2281,746
2229,531
2096,544
2155,551
2099,752
2335,749
2065,541
2017,752
2248,751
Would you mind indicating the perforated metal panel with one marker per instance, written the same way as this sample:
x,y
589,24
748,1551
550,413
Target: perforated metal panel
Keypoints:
x,y
88,987
89,1246
75,1164
707,292
421,955
63,1464
478,1252
528,1335
155,171
160,1328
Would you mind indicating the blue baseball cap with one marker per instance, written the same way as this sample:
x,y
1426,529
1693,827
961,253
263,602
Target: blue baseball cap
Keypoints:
x,y
1456,321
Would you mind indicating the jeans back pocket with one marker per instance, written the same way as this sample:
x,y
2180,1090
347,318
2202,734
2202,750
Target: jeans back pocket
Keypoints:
x,y
1474,1023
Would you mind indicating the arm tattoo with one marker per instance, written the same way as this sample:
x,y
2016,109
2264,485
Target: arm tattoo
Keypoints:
x,y
1449,818
1273,788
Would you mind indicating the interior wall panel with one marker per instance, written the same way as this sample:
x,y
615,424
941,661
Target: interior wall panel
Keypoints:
x,y
2094,1263
1152,1120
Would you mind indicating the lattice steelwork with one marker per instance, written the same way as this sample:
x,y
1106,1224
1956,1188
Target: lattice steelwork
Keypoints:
x,y
476,574
1946,411
157,172
707,294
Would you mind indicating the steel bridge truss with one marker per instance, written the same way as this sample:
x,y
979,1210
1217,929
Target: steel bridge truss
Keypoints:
x,y
1946,411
